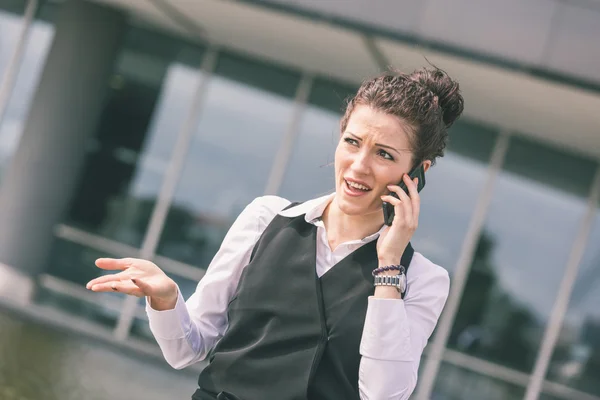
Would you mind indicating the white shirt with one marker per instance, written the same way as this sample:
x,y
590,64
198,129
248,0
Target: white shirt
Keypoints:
x,y
395,331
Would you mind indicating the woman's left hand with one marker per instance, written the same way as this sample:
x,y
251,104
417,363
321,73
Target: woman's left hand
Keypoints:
x,y
394,239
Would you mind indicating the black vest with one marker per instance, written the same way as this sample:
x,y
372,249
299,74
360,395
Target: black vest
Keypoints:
x,y
292,335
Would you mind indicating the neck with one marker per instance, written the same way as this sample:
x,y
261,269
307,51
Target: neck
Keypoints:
x,y
342,227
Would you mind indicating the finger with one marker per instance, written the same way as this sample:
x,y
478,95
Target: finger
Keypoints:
x,y
403,210
391,199
405,201
140,283
415,198
400,208
126,287
114,263
107,278
399,192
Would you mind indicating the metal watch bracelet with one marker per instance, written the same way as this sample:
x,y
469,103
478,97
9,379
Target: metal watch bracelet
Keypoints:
x,y
398,281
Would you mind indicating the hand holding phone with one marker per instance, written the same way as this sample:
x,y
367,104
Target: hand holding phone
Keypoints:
x,y
388,209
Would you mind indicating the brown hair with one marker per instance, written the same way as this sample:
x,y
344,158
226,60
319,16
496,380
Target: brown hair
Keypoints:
x,y
427,100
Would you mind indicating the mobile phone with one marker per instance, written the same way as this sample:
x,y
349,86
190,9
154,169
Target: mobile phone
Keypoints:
x,y
388,209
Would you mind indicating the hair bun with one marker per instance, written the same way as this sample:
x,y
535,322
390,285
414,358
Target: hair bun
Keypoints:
x,y
445,88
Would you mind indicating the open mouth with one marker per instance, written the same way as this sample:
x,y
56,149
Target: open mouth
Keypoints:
x,y
355,188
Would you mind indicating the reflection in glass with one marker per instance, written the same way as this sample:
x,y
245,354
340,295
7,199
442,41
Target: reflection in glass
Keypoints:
x,y
536,209
75,263
246,112
89,310
567,395
544,396
140,329
576,358
455,383
452,190
310,170
30,69
149,98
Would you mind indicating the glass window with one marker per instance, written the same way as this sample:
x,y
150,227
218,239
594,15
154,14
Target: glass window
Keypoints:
x,y
562,394
73,263
140,329
544,396
536,209
247,109
452,189
455,383
576,358
310,169
151,89
30,69
11,22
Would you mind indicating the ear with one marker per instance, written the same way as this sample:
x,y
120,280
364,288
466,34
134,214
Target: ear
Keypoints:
x,y
426,165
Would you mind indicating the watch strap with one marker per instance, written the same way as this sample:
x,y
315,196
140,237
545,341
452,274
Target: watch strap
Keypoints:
x,y
398,281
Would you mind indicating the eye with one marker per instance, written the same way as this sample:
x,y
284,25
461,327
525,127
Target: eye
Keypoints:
x,y
385,155
351,141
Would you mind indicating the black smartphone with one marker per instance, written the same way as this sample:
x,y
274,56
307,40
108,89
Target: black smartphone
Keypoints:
x,y
388,209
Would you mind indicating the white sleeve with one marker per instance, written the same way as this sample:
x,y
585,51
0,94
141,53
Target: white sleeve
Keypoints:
x,y
396,332
188,332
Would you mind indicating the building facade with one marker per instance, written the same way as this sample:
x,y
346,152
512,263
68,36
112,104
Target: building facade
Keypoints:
x,y
143,128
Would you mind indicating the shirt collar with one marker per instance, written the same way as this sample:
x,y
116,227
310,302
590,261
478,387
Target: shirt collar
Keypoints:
x,y
313,211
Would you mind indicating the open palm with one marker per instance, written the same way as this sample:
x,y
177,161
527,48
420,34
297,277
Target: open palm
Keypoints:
x,y
137,278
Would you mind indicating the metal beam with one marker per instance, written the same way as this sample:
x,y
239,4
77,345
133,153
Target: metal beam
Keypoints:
x,y
170,180
282,158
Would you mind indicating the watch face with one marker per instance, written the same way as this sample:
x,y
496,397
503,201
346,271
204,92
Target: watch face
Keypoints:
x,y
402,285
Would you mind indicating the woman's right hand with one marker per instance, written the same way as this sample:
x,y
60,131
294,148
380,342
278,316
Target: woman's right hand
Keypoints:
x,y
137,278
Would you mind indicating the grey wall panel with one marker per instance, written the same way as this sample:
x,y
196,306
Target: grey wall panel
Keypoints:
x,y
514,29
396,15
554,35
576,46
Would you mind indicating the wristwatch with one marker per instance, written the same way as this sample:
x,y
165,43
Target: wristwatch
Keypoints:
x,y
398,281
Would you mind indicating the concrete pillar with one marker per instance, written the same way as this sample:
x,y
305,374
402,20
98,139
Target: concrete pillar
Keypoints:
x,y
38,183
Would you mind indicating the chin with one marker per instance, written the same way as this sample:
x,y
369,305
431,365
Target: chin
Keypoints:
x,y
351,209
350,206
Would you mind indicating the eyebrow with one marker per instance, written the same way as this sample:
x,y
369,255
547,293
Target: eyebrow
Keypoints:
x,y
377,144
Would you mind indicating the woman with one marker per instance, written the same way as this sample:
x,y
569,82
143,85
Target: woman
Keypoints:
x,y
293,305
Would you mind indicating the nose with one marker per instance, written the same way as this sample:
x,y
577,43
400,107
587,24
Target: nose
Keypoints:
x,y
360,163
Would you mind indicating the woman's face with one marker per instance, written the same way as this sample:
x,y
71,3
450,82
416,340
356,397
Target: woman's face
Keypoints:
x,y
373,152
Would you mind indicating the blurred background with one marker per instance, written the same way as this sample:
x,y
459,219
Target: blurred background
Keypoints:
x,y
141,128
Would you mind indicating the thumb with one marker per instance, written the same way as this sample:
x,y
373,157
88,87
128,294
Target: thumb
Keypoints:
x,y
144,287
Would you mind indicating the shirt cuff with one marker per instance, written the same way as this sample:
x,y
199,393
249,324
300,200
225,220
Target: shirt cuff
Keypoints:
x,y
386,334
169,324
